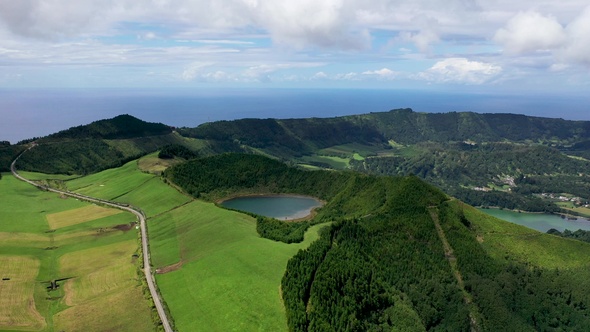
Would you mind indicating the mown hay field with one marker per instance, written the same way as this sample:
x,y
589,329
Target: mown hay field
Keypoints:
x,y
216,272
42,238
17,304
80,215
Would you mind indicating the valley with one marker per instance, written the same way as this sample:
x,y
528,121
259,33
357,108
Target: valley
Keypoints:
x,y
394,246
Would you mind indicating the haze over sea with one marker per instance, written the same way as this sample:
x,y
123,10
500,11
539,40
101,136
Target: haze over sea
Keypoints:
x,y
31,113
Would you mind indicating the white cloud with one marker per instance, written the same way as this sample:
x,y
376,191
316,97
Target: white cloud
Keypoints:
x,y
383,73
351,76
578,39
248,40
460,70
194,70
320,76
530,32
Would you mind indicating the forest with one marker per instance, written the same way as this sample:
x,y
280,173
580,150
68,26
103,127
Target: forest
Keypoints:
x,y
512,172
381,264
503,160
455,151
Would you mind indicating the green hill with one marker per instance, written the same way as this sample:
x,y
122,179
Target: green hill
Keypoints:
x,y
401,255
97,146
119,127
504,160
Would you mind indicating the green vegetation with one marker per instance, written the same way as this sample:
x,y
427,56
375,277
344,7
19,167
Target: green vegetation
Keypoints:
x,y
154,165
381,265
122,126
458,168
214,271
40,235
175,150
580,234
468,155
7,154
94,147
520,279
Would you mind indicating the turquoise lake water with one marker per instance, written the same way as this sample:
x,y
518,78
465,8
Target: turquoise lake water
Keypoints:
x,y
279,207
539,221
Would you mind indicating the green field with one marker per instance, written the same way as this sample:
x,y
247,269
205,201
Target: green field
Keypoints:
x,y
16,290
503,239
229,277
154,165
215,272
332,161
44,237
78,216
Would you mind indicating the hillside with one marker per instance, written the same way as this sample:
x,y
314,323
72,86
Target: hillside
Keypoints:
x,y
401,255
504,160
97,146
119,127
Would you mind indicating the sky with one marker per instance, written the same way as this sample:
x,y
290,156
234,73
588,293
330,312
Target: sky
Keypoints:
x,y
525,46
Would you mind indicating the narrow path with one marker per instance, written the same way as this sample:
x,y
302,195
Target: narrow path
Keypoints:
x,y
147,269
450,255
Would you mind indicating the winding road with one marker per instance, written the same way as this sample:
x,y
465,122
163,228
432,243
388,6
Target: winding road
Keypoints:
x,y
147,269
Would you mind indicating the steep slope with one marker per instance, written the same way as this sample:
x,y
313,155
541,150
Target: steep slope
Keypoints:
x,y
100,145
121,126
401,255
504,160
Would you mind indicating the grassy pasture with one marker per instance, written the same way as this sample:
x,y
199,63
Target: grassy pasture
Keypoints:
x,y
123,310
24,207
229,277
25,237
222,276
111,183
127,184
77,216
334,162
111,270
352,149
42,176
17,305
154,197
502,239
154,165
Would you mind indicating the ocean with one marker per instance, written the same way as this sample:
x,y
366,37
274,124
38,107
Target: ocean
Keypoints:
x,y
31,113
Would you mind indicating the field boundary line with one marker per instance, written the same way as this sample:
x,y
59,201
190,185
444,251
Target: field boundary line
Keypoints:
x,y
144,240
452,259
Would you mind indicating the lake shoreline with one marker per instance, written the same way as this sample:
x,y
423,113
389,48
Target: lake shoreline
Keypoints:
x,y
300,215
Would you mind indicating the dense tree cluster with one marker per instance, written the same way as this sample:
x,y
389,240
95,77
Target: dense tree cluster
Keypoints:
x,y
7,154
83,156
512,295
381,266
580,234
97,146
457,166
217,176
176,150
286,138
408,127
119,127
451,150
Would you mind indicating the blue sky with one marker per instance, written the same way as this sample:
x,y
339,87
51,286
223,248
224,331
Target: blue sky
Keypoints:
x,y
455,45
